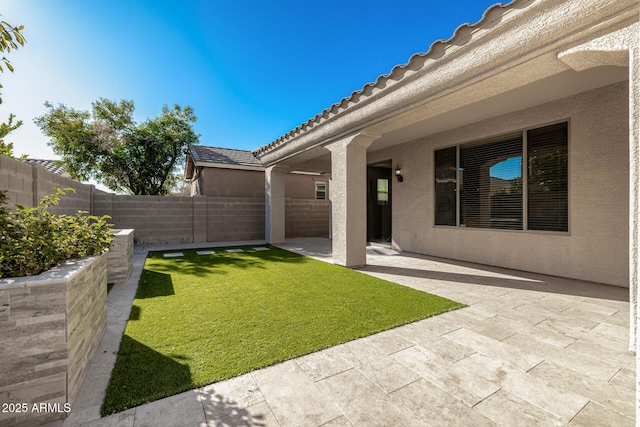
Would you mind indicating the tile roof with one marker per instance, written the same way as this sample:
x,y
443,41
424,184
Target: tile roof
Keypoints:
x,y
227,156
50,165
461,35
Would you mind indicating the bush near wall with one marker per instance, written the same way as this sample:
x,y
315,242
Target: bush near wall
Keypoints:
x,y
32,240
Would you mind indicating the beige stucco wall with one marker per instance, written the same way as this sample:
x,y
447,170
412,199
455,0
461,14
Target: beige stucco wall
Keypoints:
x,y
298,186
596,248
218,182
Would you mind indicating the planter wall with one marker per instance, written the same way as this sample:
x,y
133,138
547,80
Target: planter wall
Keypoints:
x,y
50,326
120,256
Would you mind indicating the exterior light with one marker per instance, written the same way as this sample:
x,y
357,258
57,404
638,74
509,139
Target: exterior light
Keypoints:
x,y
399,174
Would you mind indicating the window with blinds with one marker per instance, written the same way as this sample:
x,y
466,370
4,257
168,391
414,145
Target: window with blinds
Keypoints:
x,y
548,183
488,176
445,186
491,183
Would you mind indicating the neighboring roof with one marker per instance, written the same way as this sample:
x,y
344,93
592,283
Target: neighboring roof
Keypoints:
x,y
417,62
50,165
223,156
217,157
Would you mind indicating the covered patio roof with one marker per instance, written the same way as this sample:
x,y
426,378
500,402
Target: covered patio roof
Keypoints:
x,y
517,55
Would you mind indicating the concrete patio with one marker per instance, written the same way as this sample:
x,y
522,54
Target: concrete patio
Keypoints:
x,y
529,350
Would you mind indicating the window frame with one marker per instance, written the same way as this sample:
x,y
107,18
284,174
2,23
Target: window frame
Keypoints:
x,y
525,181
323,191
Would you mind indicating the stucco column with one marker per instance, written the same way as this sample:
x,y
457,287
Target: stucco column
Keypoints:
x,y
274,185
634,201
621,48
349,199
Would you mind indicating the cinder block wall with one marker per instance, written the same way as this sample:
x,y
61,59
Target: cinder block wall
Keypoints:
x,y
162,219
27,183
235,218
306,218
155,219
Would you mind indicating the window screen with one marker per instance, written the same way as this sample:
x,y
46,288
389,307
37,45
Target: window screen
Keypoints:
x,y
548,195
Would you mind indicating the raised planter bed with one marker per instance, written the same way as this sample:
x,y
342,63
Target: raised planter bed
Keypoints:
x,y
120,256
51,325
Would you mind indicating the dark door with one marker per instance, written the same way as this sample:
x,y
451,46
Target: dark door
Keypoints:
x,y
379,202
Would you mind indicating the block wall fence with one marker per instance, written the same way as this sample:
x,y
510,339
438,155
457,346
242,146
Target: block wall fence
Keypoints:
x,y
163,219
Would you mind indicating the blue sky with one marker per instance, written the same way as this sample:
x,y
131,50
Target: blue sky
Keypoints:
x,y
252,70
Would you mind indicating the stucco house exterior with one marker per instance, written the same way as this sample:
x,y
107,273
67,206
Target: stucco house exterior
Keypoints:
x,y
513,138
517,140
228,172
232,174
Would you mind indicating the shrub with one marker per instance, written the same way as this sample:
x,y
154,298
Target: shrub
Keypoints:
x,y
32,240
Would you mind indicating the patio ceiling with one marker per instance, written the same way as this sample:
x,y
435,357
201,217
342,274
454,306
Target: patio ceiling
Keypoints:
x,y
489,97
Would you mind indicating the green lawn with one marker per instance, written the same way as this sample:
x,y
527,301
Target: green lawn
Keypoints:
x,y
201,319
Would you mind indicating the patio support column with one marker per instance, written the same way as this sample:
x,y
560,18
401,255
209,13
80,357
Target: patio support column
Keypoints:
x,y
634,200
349,199
622,48
274,186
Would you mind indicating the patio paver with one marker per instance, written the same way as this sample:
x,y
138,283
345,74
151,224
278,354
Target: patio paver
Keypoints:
x,y
173,255
205,252
529,350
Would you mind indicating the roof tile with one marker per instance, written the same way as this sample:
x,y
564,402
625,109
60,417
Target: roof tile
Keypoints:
x,y
227,156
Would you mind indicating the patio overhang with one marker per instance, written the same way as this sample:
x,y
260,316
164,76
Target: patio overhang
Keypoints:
x,y
507,61
517,56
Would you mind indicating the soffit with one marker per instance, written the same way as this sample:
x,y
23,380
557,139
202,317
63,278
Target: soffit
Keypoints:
x,y
429,121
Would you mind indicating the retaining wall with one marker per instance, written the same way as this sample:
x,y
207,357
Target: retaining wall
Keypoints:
x,y
51,325
120,256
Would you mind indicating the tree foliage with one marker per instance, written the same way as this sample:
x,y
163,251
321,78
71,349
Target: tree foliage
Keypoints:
x,y
6,148
109,146
10,39
32,240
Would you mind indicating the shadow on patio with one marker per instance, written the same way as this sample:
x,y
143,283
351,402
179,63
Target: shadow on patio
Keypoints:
x,y
440,272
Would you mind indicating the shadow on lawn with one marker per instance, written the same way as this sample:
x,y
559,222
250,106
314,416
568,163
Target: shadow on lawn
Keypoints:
x,y
191,263
162,285
142,374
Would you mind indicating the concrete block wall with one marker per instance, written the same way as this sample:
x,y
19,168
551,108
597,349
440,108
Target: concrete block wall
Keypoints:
x,y
200,219
235,218
161,219
50,325
307,218
155,219
17,178
27,183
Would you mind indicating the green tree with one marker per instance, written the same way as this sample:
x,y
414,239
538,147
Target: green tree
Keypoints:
x,y
6,148
10,39
109,146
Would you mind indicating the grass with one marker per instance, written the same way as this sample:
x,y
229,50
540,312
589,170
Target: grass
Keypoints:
x,y
202,319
